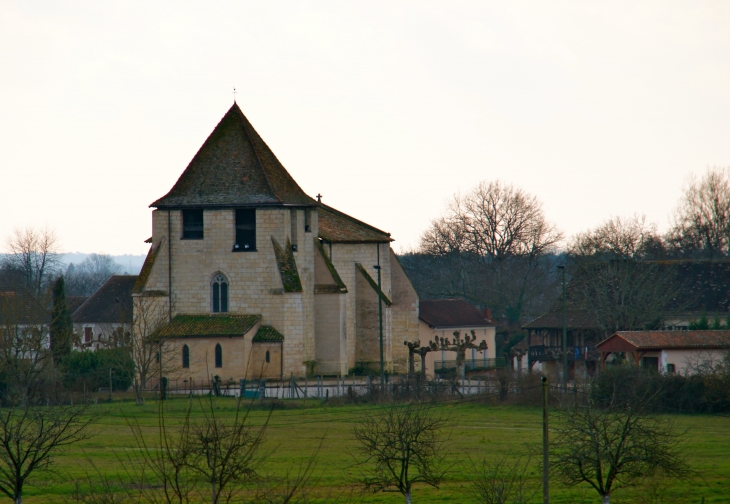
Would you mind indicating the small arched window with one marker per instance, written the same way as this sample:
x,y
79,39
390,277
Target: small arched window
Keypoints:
x,y
268,356
186,356
219,293
218,356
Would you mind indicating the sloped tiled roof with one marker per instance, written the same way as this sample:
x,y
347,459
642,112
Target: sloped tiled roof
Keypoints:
x,y
575,319
646,340
338,227
202,326
112,303
234,167
21,308
521,346
74,302
339,284
287,265
267,333
451,313
146,270
373,284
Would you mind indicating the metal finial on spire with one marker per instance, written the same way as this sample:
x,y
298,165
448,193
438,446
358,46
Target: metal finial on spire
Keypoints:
x,y
319,198
234,95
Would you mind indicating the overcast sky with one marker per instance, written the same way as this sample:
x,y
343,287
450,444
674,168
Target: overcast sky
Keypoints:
x,y
385,108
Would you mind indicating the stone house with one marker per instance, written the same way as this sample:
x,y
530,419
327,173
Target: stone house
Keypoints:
x,y
24,322
258,279
439,318
106,315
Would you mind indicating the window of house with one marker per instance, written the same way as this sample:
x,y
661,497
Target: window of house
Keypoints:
x,y
193,224
245,230
219,294
218,356
268,356
670,368
186,356
650,363
307,220
88,334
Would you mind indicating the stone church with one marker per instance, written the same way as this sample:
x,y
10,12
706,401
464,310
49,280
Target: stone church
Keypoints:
x,y
255,278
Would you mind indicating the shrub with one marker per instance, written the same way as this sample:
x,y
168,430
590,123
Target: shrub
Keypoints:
x,y
92,368
707,392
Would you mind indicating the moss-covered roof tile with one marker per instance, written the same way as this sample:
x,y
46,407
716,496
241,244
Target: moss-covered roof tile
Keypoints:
x,y
234,167
267,333
146,270
340,285
202,326
287,267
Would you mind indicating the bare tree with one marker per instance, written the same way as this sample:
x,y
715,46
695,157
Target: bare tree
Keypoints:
x,y
415,348
460,346
615,279
614,446
225,453
495,237
503,481
25,358
702,218
148,351
31,438
85,278
35,253
401,447
619,238
99,488
292,488
161,460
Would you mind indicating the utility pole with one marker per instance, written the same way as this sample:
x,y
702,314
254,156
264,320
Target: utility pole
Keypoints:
x,y
545,444
565,335
380,323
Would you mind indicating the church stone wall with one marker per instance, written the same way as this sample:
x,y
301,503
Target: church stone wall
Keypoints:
x,y
253,277
258,367
343,257
328,326
348,323
404,314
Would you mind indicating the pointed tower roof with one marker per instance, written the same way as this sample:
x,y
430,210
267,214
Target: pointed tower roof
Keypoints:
x,y
234,167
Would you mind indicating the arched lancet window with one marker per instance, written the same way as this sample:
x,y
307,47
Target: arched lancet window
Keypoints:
x,y
186,356
218,356
219,293
268,356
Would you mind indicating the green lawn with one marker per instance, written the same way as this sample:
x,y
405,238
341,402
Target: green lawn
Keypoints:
x,y
477,431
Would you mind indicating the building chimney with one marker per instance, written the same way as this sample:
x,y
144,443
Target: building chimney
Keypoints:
x,y
488,313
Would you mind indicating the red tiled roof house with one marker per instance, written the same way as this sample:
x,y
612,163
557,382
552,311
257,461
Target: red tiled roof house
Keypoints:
x,y
439,318
682,352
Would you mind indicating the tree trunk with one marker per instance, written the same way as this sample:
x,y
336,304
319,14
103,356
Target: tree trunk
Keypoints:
x,y
606,499
138,393
408,497
19,499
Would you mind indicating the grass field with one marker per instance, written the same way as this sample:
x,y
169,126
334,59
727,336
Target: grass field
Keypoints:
x,y
477,431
